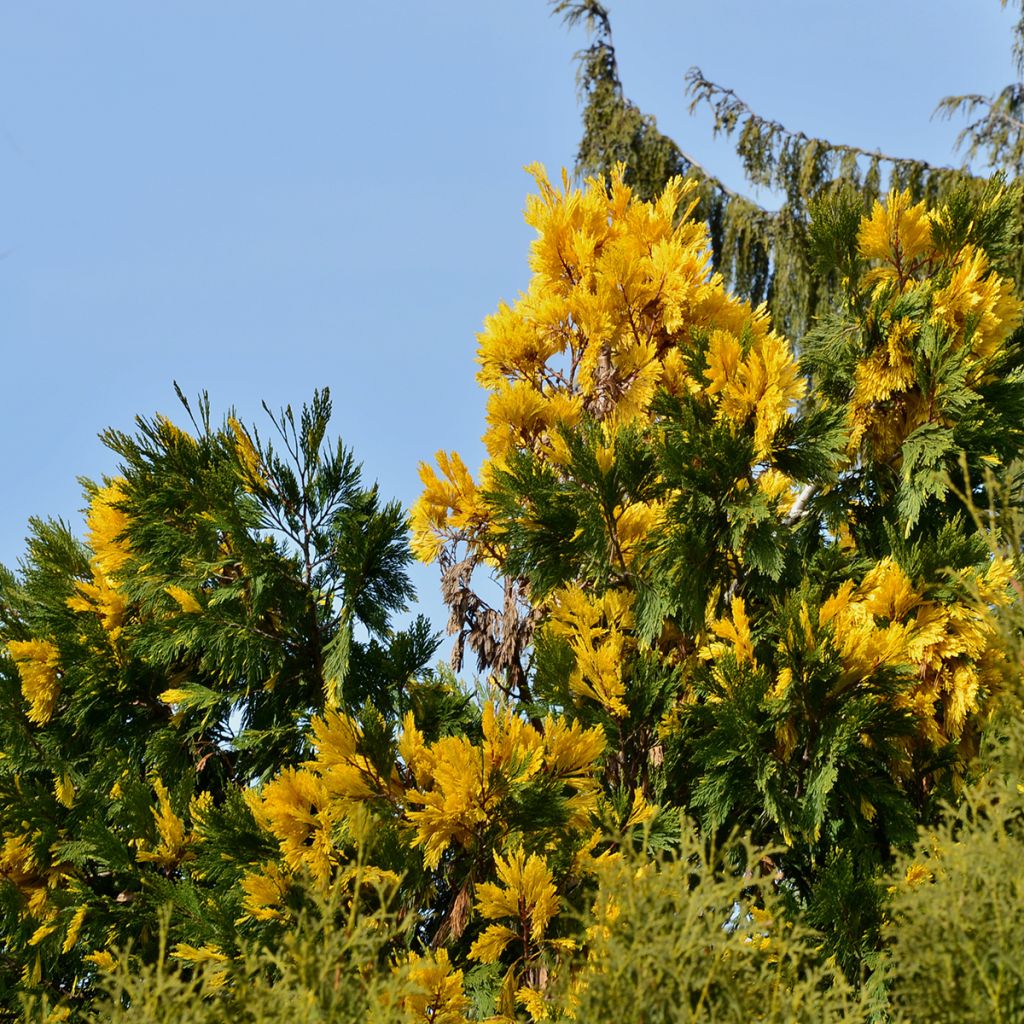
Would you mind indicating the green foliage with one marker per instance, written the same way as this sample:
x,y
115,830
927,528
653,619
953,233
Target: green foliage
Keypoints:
x,y
730,953
334,966
227,593
957,912
767,254
750,747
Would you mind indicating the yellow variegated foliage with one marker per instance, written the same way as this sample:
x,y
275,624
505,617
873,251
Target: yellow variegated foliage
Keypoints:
x,y
526,896
313,810
38,663
64,790
450,797
641,811
42,932
293,808
450,793
633,524
759,385
103,959
948,651
621,289
247,454
185,601
450,506
978,296
346,773
107,525
207,954
34,881
459,788
100,598
897,236
265,891
951,647
438,995
598,629
735,632
975,306
174,837
74,929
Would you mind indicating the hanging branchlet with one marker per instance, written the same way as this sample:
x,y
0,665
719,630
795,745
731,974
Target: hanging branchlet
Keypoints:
x,y
995,128
763,252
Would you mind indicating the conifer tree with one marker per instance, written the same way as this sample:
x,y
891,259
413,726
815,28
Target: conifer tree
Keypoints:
x,y
765,253
228,588
746,591
756,577
749,594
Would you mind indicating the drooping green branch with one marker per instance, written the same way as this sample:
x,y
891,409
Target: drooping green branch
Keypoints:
x,y
998,131
797,164
763,253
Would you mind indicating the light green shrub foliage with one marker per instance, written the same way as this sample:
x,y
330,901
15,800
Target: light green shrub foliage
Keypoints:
x,y
696,938
337,965
956,937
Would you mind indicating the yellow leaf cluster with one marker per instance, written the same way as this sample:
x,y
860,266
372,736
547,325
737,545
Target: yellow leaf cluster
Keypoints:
x,y
41,933
761,384
438,995
292,808
448,793
633,524
265,891
174,839
171,431
981,299
103,959
598,629
346,773
248,457
897,236
526,894
621,289
533,1001
947,651
206,954
641,811
100,598
20,866
917,874
74,929
735,632
459,786
886,372
975,306
185,601
777,487
949,647
64,790
38,662
449,507
107,524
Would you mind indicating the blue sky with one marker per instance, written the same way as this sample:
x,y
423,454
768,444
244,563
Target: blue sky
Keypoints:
x,y
258,199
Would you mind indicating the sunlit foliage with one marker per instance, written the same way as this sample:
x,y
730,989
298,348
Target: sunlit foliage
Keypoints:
x,y
755,634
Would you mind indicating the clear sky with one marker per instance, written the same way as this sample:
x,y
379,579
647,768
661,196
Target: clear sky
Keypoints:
x,y
260,198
